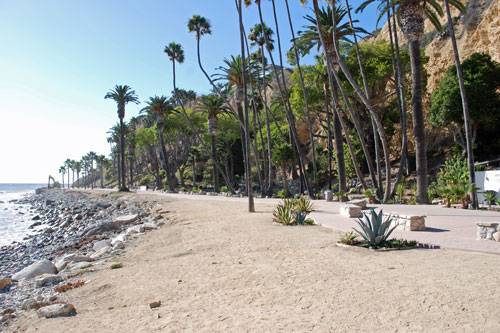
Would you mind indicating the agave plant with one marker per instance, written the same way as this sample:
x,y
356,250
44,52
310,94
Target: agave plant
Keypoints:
x,y
490,198
293,211
373,229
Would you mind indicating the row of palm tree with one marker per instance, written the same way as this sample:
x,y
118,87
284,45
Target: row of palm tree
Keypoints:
x,y
85,165
248,77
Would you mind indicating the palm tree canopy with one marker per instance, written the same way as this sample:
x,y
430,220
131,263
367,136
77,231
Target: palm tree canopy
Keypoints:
x,y
213,106
258,35
309,37
175,52
431,8
160,105
122,95
200,25
233,72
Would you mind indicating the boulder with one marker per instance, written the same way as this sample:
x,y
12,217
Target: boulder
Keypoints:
x,y
135,229
101,252
48,279
126,219
496,236
75,266
38,268
62,262
29,304
4,282
101,244
119,245
56,310
98,229
120,238
149,226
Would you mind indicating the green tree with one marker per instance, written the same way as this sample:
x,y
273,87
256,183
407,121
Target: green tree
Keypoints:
x,y
283,154
481,77
122,95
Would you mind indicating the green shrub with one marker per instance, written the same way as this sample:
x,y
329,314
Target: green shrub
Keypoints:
x,y
223,188
281,194
147,179
349,238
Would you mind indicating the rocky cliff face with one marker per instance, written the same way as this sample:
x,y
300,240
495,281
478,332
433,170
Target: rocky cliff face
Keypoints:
x,y
476,31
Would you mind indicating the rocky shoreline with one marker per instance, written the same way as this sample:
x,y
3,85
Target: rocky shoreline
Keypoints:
x,y
75,231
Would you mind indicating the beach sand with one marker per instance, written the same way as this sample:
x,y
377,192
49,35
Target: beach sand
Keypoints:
x,y
215,267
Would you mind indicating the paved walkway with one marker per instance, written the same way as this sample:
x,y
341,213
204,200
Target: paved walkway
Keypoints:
x,y
451,228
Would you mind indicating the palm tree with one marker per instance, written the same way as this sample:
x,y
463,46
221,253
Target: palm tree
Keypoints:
x,y
213,106
101,162
470,152
91,158
258,35
282,154
62,171
161,106
78,168
176,54
122,95
67,164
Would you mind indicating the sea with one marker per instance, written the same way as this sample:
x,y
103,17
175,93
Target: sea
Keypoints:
x,y
15,218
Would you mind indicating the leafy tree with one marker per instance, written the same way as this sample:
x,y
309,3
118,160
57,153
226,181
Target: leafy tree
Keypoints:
x,y
482,83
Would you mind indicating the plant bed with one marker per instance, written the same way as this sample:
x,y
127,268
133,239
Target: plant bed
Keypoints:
x,y
389,245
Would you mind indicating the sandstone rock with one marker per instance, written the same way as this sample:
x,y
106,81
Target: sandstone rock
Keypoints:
x,y
135,229
101,244
57,310
126,219
38,268
120,238
48,279
4,282
101,252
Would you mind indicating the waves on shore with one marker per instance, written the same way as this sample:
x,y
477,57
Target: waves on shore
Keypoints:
x,y
14,216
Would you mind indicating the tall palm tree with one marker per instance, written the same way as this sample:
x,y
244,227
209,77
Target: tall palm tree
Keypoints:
x,y
122,95
213,106
91,158
467,126
161,106
411,19
67,164
62,171
257,38
176,54
101,162
78,168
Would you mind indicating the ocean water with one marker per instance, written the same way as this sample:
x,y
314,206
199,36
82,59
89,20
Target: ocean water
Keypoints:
x,y
15,218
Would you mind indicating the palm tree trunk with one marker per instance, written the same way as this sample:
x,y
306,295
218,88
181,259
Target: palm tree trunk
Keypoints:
x,y
329,133
251,205
102,176
215,171
194,172
285,180
270,188
123,186
470,152
365,99
398,79
286,103
306,100
418,121
163,153
226,179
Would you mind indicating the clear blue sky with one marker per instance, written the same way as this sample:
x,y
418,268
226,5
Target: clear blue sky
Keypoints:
x,y
60,57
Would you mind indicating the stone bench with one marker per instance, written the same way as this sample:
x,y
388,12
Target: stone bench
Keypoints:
x,y
488,230
407,222
361,203
350,210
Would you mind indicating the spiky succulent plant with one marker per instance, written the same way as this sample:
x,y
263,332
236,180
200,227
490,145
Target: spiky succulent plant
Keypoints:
x,y
374,229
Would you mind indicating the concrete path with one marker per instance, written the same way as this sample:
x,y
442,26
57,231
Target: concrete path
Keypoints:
x,y
451,228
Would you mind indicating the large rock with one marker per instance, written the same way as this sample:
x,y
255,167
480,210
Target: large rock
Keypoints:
x,y
48,279
57,310
62,262
136,229
4,282
120,238
98,254
100,244
496,236
126,219
38,268
98,229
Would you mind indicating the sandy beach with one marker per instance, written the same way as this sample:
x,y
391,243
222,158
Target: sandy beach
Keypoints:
x,y
215,267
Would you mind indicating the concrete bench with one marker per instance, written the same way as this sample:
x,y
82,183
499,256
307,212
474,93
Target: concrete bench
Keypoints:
x,y
407,222
488,230
350,210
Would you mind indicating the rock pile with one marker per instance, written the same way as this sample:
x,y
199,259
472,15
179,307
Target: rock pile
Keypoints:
x,y
488,230
73,231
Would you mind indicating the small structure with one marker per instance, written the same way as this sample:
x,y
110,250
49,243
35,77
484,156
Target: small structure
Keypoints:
x,y
407,222
350,210
488,230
